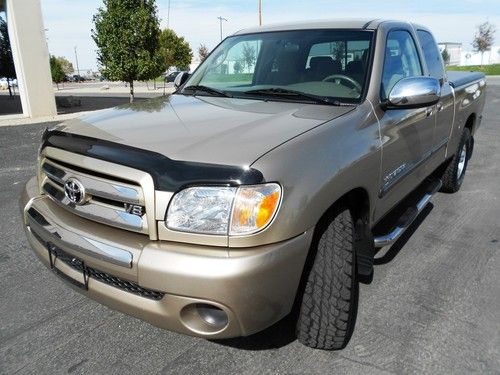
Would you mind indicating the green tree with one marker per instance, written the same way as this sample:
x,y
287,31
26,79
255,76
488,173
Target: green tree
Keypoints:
x,y
56,70
337,50
483,39
237,67
175,50
202,52
7,68
66,65
446,56
249,56
127,34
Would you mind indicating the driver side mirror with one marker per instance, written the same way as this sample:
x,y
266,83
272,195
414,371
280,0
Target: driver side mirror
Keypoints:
x,y
414,92
181,79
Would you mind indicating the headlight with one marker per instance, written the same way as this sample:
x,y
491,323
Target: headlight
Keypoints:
x,y
224,210
201,210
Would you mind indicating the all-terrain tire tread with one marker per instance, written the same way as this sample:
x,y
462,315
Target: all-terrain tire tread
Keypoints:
x,y
330,297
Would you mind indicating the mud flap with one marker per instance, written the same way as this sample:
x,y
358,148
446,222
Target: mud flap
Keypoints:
x,y
365,251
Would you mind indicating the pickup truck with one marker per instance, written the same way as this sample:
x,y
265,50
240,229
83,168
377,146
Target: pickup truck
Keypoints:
x,y
264,186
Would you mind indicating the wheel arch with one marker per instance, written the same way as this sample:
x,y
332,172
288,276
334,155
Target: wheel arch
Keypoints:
x,y
357,200
470,123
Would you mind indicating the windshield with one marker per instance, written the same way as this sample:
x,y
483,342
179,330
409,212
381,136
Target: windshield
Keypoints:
x,y
287,65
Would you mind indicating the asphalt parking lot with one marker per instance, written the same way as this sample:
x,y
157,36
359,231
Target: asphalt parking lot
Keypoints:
x,y
433,305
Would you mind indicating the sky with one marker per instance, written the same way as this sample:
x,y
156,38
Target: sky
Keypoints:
x,y
69,22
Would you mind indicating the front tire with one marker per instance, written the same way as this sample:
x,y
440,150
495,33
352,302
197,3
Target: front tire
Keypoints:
x,y
454,174
329,303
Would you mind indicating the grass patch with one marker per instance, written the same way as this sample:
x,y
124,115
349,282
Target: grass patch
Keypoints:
x,y
489,70
240,77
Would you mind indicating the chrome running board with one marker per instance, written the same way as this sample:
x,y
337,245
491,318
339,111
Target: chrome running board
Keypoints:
x,y
408,217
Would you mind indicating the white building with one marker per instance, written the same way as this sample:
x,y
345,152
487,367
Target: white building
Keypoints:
x,y
474,58
454,50
31,56
459,56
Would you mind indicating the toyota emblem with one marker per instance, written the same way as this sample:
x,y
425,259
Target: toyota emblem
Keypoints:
x,y
75,191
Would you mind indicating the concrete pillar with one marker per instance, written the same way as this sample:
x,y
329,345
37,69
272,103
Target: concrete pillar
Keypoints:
x,y
31,57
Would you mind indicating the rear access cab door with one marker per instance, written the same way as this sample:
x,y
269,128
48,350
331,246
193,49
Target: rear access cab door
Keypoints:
x,y
445,108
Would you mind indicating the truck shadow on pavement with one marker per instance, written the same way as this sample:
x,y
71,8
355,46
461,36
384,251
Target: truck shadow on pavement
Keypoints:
x,y
282,333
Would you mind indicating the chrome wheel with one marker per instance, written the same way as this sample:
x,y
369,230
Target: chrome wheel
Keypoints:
x,y
461,162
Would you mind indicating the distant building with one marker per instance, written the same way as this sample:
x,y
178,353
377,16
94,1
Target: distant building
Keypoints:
x,y
454,50
474,58
194,64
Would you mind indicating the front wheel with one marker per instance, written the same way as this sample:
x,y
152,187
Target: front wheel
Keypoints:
x,y
454,174
330,299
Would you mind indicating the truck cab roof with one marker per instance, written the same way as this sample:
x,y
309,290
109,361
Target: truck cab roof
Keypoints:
x,y
340,23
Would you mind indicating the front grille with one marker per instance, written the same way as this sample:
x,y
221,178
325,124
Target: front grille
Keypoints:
x,y
79,265
108,200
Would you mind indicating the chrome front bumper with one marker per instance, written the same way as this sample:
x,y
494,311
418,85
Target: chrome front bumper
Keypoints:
x,y
255,287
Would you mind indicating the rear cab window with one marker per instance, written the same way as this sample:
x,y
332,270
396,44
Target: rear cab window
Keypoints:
x,y
432,56
348,58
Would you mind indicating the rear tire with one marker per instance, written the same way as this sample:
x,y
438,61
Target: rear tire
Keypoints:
x,y
454,174
329,303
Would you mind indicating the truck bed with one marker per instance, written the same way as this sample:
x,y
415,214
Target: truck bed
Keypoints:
x,y
458,79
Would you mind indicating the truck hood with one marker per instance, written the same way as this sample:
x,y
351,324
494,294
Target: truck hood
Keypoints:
x,y
204,129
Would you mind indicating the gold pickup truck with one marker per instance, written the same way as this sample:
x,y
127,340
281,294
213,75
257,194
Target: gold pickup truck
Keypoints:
x,y
263,185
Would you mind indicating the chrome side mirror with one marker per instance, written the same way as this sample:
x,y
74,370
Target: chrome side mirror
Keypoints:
x,y
414,92
180,79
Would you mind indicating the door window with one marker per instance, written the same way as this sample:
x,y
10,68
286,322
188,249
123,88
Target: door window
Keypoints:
x,y
401,60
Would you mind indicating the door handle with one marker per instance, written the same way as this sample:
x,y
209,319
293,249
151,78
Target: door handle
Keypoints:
x,y
429,111
439,106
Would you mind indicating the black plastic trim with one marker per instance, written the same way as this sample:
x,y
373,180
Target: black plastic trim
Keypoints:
x,y
88,272
366,25
168,175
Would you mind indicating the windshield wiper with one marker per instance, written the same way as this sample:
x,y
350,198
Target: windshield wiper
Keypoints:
x,y
208,90
281,92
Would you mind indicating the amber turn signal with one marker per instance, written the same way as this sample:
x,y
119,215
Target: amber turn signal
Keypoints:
x,y
254,208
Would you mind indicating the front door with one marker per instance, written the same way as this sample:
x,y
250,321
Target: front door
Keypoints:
x,y
406,134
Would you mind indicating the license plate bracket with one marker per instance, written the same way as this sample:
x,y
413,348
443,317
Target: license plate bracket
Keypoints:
x,y
77,264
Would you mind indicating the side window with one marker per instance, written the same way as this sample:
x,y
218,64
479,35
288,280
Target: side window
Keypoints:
x,y
401,60
431,54
234,66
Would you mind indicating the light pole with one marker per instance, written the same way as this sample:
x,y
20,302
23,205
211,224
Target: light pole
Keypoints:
x,y
260,12
220,21
168,15
76,59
